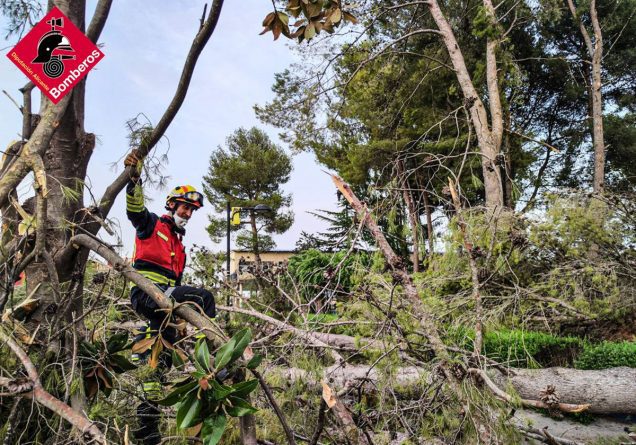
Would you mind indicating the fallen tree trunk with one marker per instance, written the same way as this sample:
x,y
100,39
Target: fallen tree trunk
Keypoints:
x,y
609,391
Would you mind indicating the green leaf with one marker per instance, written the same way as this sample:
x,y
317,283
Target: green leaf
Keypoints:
x,y
120,363
117,342
239,407
242,389
283,18
256,360
219,391
88,349
178,394
310,31
177,360
188,411
213,428
224,354
243,338
202,354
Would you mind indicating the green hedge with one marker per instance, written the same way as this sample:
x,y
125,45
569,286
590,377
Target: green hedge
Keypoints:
x,y
607,355
531,349
538,349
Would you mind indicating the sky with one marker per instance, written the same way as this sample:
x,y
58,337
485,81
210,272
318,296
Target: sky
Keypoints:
x,y
145,44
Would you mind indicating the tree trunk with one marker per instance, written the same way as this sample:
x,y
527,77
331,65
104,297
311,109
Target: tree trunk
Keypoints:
x,y
413,216
257,253
608,391
595,52
248,428
66,162
429,224
489,140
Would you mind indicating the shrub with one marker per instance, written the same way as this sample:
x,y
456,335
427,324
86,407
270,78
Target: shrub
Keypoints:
x,y
607,355
531,349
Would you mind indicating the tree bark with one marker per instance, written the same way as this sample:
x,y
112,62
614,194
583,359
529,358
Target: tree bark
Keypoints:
x,y
595,52
474,271
607,391
489,140
413,216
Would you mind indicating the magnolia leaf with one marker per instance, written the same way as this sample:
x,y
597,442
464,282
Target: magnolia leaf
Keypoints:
x,y
143,345
299,32
167,344
349,17
178,394
117,342
295,11
91,387
202,354
120,364
194,431
283,18
299,22
277,28
313,10
243,338
269,18
153,361
239,407
188,411
255,361
178,358
224,354
264,31
220,391
310,31
213,428
105,377
242,389
328,396
336,16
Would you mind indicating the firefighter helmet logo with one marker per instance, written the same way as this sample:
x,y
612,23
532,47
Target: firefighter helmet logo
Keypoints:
x,y
56,55
51,48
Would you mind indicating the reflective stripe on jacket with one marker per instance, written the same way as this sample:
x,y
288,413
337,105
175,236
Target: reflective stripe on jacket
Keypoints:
x,y
163,249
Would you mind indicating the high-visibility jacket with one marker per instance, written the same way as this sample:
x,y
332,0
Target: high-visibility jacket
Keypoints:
x,y
162,249
159,252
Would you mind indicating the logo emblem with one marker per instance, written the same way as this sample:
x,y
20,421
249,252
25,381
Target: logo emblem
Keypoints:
x,y
51,49
55,55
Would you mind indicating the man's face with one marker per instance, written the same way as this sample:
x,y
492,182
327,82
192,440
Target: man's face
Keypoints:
x,y
184,210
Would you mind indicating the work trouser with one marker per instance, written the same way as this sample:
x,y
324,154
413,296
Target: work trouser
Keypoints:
x,y
148,413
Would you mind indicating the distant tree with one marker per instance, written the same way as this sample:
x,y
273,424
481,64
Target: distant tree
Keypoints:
x,y
248,172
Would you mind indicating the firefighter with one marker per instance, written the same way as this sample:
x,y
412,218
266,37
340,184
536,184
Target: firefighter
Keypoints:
x,y
160,256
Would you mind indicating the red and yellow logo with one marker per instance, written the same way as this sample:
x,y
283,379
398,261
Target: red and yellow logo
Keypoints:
x,y
55,55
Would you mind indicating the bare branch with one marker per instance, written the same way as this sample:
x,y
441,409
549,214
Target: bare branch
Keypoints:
x,y
78,420
148,144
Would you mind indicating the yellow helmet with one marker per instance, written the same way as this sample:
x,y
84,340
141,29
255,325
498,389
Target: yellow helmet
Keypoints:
x,y
187,194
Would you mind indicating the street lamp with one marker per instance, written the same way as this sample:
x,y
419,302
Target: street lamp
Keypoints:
x,y
231,213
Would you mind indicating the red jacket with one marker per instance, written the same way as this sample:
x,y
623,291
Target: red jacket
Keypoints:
x,y
159,253
162,248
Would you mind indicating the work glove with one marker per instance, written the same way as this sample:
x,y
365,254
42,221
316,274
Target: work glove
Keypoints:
x,y
134,160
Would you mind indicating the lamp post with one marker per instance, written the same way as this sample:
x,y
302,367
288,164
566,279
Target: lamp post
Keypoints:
x,y
231,212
